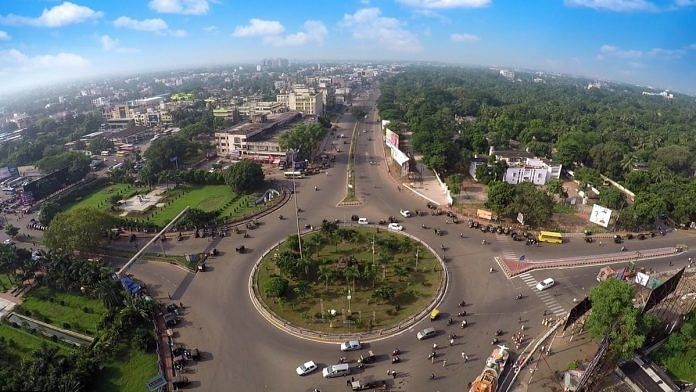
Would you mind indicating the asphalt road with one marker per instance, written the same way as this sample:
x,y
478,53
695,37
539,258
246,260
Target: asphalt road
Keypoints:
x,y
242,351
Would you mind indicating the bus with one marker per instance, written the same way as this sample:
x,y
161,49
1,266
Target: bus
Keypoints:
x,y
550,237
293,174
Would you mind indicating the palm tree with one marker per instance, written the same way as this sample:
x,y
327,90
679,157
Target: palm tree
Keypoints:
x,y
302,288
109,292
350,274
370,273
401,271
325,272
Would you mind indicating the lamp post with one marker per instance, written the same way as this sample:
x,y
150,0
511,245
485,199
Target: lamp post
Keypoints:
x,y
349,298
297,210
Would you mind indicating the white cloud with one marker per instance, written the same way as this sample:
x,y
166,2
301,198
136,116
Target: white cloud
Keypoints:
x,y
614,5
151,25
654,53
4,36
108,43
441,4
463,37
259,27
178,33
185,7
61,15
368,24
13,60
314,31
210,29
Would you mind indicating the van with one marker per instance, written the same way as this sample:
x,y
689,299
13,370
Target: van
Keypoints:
x,y
339,370
105,153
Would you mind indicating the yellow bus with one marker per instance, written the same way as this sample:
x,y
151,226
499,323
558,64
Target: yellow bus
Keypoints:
x,y
550,237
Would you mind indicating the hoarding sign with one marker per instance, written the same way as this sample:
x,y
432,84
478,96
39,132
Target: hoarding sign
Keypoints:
x,y
520,218
642,279
600,215
392,139
484,214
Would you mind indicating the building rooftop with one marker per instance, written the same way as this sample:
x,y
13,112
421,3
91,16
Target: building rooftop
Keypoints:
x,y
273,120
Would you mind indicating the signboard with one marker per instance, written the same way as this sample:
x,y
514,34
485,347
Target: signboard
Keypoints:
x,y
520,218
392,139
155,383
600,215
642,279
385,123
484,214
399,156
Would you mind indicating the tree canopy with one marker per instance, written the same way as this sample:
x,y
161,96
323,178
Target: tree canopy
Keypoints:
x,y
245,176
303,138
81,229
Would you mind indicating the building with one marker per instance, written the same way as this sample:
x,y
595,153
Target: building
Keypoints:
x,y
229,113
304,100
522,167
256,138
507,74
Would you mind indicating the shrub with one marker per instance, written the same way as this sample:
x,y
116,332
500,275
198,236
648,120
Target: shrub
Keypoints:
x,y
66,325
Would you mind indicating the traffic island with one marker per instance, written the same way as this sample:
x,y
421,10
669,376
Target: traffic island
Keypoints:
x,y
358,282
351,198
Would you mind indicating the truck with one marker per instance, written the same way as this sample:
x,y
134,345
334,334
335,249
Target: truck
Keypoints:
x,y
364,383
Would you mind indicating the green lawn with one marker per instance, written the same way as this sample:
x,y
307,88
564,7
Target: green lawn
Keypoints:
x,y
129,371
59,308
5,282
414,289
206,198
243,206
100,198
25,342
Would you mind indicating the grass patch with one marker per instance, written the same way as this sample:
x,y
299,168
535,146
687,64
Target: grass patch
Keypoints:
x,y
22,342
395,268
243,206
563,208
5,282
100,198
207,198
128,372
63,310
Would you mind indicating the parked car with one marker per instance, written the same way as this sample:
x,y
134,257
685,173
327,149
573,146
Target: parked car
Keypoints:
x,y
406,213
426,333
395,226
363,221
545,284
351,345
306,368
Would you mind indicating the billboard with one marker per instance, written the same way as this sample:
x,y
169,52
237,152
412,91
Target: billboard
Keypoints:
x,y
392,139
600,215
484,214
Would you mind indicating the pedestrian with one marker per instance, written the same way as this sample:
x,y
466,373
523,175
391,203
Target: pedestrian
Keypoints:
x,y
466,358
451,342
169,296
393,374
348,382
544,313
432,359
181,305
434,346
444,362
519,320
463,355
352,378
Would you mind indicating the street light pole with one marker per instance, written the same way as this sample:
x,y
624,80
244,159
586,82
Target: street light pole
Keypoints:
x,y
297,210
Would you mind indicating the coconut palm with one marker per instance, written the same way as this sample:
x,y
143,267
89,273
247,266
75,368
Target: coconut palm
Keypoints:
x,y
350,274
325,272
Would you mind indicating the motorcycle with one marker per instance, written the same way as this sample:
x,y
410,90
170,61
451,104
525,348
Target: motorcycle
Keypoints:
x,y
461,314
463,303
518,296
450,321
463,324
498,332
280,217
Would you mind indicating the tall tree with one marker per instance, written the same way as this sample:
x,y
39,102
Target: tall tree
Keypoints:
x,y
81,229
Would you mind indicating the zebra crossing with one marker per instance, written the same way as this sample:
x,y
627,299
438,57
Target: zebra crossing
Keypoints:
x,y
551,304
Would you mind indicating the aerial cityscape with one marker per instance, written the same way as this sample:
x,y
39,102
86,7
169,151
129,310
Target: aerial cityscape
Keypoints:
x,y
384,195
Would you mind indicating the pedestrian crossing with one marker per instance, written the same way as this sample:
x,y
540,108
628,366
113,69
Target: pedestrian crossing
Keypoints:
x,y
549,301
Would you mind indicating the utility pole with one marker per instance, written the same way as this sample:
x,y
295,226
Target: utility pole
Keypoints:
x,y
297,210
417,249
373,250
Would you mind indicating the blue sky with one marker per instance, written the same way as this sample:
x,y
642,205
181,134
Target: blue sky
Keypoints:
x,y
651,42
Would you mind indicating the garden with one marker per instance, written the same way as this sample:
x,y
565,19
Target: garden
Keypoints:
x,y
128,371
22,342
389,278
63,310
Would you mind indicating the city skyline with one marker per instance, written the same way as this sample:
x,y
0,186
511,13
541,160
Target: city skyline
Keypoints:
x,y
634,41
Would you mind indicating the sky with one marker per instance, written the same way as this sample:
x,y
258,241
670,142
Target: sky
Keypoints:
x,y
646,42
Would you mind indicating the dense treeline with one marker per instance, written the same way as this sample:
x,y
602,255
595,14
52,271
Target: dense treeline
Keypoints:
x,y
457,112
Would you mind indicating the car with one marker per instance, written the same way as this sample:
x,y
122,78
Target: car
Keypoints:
x,y
426,333
406,213
8,242
395,226
351,345
545,284
363,221
306,368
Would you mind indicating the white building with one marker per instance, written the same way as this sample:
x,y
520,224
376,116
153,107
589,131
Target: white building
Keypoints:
x,y
258,137
522,167
304,100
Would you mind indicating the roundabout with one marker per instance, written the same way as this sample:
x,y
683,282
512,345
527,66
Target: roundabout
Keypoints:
x,y
353,282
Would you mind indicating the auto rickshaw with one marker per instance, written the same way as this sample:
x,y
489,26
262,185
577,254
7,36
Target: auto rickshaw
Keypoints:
x,y
434,314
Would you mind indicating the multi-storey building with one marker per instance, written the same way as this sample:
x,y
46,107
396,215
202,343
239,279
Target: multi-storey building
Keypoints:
x,y
258,137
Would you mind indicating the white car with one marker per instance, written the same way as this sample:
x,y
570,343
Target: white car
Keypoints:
x,y
426,333
306,368
351,345
363,221
406,213
8,242
545,284
395,226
